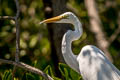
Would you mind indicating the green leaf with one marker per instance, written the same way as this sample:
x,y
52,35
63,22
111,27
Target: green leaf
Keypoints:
x,y
10,76
33,41
35,63
7,75
56,78
62,69
68,73
48,70
74,75
4,75
41,78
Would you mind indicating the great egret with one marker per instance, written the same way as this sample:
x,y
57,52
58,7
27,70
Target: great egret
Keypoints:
x,y
91,63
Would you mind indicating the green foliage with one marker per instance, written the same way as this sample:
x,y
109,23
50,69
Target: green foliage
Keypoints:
x,y
65,70
29,76
48,70
7,75
35,47
68,73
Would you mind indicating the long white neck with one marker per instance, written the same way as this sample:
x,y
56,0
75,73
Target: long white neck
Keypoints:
x,y
70,36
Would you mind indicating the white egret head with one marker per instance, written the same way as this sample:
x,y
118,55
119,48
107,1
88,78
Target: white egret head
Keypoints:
x,y
67,17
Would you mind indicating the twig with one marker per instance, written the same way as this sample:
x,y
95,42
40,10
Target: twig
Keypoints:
x,y
17,32
117,31
113,4
27,67
7,17
18,8
17,35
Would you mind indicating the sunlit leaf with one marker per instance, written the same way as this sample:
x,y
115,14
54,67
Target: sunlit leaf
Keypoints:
x,y
33,41
48,70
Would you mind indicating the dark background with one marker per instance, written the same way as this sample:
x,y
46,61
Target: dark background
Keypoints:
x,y
41,44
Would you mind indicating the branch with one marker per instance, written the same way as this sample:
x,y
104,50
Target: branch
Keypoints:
x,y
7,17
28,68
113,4
18,8
17,32
96,25
117,31
110,3
17,35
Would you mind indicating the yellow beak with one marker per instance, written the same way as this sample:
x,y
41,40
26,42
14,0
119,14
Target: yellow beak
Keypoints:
x,y
50,20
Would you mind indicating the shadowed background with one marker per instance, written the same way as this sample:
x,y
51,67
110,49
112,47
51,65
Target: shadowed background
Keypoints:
x,y
41,44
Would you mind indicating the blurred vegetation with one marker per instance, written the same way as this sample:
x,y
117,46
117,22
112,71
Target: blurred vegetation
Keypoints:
x,y
34,43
